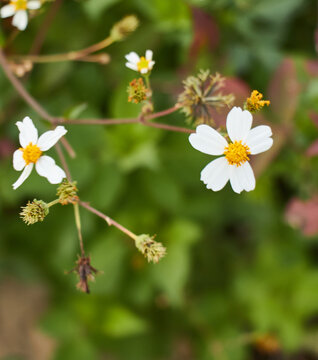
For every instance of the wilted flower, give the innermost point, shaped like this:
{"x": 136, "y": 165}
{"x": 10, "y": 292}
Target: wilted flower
{"x": 202, "y": 94}
{"x": 234, "y": 165}
{"x": 32, "y": 150}
{"x": 18, "y": 9}
{"x": 255, "y": 102}
{"x": 137, "y": 91}
{"x": 124, "y": 27}
{"x": 34, "y": 211}
{"x": 67, "y": 192}
{"x": 85, "y": 272}
{"x": 141, "y": 64}
{"x": 151, "y": 249}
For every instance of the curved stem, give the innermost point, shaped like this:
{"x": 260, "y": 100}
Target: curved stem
{"x": 109, "y": 220}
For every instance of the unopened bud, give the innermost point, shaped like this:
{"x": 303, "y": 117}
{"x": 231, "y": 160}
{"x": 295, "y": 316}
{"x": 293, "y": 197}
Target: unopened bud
{"x": 67, "y": 192}
{"x": 124, "y": 27}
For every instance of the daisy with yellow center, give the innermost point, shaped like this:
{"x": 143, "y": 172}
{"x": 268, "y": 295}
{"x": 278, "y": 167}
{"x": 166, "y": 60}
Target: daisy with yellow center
{"x": 234, "y": 164}
{"x": 18, "y": 9}
{"x": 143, "y": 64}
{"x": 30, "y": 153}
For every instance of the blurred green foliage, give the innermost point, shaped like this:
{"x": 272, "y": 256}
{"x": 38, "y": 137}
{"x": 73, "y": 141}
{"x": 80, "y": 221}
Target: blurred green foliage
{"x": 234, "y": 267}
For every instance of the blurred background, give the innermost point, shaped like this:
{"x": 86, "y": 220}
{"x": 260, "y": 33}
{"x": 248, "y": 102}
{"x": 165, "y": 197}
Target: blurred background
{"x": 240, "y": 279}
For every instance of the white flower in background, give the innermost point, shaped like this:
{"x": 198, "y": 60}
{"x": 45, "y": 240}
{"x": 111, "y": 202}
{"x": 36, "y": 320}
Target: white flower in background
{"x": 234, "y": 165}
{"x": 140, "y": 64}
{"x": 32, "y": 150}
{"x": 18, "y": 9}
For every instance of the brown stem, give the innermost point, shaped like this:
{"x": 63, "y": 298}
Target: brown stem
{"x": 109, "y": 220}
{"x": 97, "y": 121}
{"x": 168, "y": 127}
{"x": 44, "y": 28}
{"x": 163, "y": 113}
{"x": 63, "y": 161}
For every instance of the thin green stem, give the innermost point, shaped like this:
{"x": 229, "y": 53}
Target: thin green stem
{"x": 54, "y": 202}
{"x": 79, "y": 227}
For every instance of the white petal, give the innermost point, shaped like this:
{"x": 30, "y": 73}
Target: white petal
{"x": 20, "y": 20}
{"x": 25, "y": 174}
{"x": 258, "y": 139}
{"x": 238, "y": 124}
{"x": 151, "y": 64}
{"x": 46, "y": 167}
{"x": 216, "y": 174}
{"x": 144, "y": 70}
{"x": 18, "y": 161}
{"x": 7, "y": 10}
{"x": 149, "y": 55}
{"x": 133, "y": 57}
{"x": 28, "y": 132}
{"x": 208, "y": 140}
{"x": 33, "y": 4}
{"x": 242, "y": 178}
{"x": 50, "y": 138}
{"x": 132, "y": 66}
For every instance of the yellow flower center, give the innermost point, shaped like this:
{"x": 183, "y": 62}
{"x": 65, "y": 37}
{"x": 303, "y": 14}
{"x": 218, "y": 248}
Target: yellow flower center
{"x": 31, "y": 153}
{"x": 19, "y": 4}
{"x": 143, "y": 63}
{"x": 237, "y": 153}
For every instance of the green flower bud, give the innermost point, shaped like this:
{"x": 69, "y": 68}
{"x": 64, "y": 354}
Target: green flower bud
{"x": 67, "y": 192}
{"x": 151, "y": 249}
{"x": 34, "y": 211}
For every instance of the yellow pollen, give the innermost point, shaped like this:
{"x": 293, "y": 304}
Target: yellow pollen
{"x": 237, "y": 153}
{"x": 255, "y": 102}
{"x": 143, "y": 63}
{"x": 31, "y": 153}
{"x": 19, "y": 4}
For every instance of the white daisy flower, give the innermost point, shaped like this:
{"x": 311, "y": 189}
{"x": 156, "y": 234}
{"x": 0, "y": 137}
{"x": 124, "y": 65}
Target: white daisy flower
{"x": 234, "y": 165}
{"x": 18, "y": 9}
{"x": 141, "y": 64}
{"x": 32, "y": 150}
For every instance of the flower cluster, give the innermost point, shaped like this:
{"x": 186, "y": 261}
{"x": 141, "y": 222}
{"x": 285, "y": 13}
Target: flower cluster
{"x": 202, "y": 94}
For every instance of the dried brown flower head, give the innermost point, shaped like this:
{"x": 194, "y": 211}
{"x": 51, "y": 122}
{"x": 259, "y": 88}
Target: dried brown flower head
{"x": 34, "y": 211}
{"x": 151, "y": 249}
{"x": 201, "y": 94}
{"x": 67, "y": 192}
{"x": 85, "y": 273}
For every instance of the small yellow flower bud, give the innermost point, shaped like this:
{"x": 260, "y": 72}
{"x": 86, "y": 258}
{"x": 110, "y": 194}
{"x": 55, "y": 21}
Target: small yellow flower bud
{"x": 124, "y": 27}
{"x": 202, "y": 94}
{"x": 254, "y": 102}
{"x": 34, "y": 211}
{"x": 151, "y": 249}
{"x": 67, "y": 193}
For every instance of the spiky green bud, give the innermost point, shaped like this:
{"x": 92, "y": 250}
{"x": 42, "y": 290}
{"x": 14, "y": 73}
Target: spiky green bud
{"x": 151, "y": 249}
{"x": 34, "y": 211}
